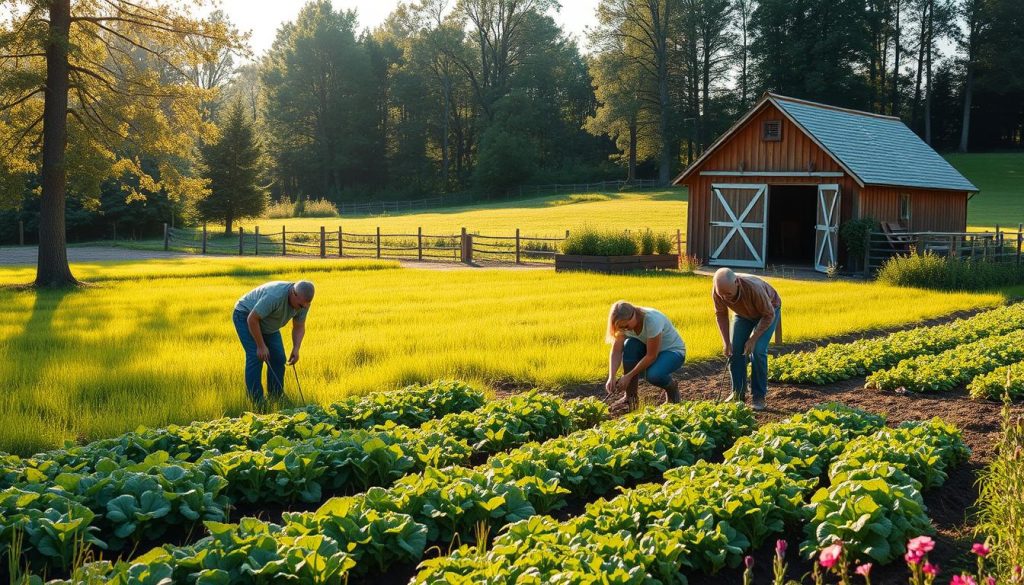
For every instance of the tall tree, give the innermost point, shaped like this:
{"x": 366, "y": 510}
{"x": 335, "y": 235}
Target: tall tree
{"x": 233, "y": 166}
{"x": 976, "y": 15}
{"x": 646, "y": 26}
{"x": 84, "y": 89}
{"x": 322, "y": 122}
{"x": 621, "y": 113}
{"x": 743, "y": 10}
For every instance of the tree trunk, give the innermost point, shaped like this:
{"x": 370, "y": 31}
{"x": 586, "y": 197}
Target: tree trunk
{"x": 665, "y": 162}
{"x": 228, "y": 221}
{"x": 631, "y": 173}
{"x": 915, "y": 108}
{"x": 895, "y": 105}
{"x": 52, "y": 268}
{"x": 928, "y": 75}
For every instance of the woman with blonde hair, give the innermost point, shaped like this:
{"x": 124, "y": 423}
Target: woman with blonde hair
{"x": 644, "y": 342}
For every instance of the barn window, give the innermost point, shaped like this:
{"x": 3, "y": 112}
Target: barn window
{"x": 905, "y": 207}
{"x": 771, "y": 131}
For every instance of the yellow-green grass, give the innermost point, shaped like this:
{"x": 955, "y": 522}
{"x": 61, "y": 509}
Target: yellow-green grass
{"x": 1000, "y": 176}
{"x": 133, "y": 350}
{"x": 662, "y": 211}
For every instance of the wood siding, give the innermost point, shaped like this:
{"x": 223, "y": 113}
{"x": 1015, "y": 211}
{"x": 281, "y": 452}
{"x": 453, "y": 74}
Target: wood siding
{"x": 930, "y": 210}
{"x": 745, "y": 151}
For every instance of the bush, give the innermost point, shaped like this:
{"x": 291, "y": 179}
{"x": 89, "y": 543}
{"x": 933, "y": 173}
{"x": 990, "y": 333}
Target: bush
{"x": 284, "y": 208}
{"x": 319, "y": 208}
{"x": 590, "y": 241}
{"x": 854, "y": 235}
{"x": 932, "y": 271}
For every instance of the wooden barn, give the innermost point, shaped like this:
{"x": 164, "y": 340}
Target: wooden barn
{"x": 775, "y": 187}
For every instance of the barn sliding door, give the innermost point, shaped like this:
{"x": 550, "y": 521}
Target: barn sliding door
{"x": 826, "y": 231}
{"x": 738, "y": 229}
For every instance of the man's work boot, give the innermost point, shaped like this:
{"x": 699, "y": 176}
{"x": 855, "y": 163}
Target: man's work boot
{"x": 759, "y": 404}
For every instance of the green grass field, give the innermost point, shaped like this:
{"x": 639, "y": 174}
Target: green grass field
{"x": 1000, "y": 176}
{"x": 151, "y": 343}
{"x": 659, "y": 210}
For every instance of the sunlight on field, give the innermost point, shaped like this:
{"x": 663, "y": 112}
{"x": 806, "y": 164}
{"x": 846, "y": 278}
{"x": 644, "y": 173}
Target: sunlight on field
{"x": 663, "y": 211}
{"x": 124, "y": 352}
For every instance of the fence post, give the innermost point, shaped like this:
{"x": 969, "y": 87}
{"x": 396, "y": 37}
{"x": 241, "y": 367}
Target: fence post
{"x": 378, "y": 241}
{"x": 566, "y": 233}
{"x": 679, "y": 244}
{"x": 241, "y": 241}
{"x": 952, "y": 246}
{"x": 867, "y": 255}
{"x": 323, "y": 242}
{"x": 204, "y": 237}
{"x": 465, "y": 254}
{"x": 419, "y": 243}
{"x": 21, "y": 232}
{"x": 341, "y": 248}
{"x": 985, "y": 252}
{"x": 1020, "y": 240}
{"x": 167, "y": 241}
{"x": 518, "y": 259}
{"x": 257, "y": 231}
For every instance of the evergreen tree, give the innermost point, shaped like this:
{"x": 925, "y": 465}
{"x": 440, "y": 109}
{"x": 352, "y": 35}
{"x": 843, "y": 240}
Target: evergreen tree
{"x": 233, "y": 168}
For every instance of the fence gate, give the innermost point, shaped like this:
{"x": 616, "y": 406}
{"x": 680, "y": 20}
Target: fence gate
{"x": 826, "y": 230}
{"x": 738, "y": 233}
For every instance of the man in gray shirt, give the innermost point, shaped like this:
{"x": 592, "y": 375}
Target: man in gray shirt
{"x": 259, "y": 316}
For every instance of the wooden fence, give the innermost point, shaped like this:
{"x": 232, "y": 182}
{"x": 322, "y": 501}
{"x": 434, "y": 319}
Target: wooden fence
{"x": 998, "y": 245}
{"x": 466, "y": 246}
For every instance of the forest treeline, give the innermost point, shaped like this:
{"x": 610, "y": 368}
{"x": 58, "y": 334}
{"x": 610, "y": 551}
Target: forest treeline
{"x": 483, "y": 96}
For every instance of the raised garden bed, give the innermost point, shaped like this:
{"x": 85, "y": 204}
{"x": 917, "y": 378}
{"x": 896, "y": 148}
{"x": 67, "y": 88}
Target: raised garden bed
{"x": 616, "y": 264}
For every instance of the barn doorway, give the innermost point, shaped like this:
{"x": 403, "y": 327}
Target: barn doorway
{"x": 792, "y": 216}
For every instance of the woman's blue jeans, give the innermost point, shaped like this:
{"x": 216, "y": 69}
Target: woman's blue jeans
{"x": 660, "y": 372}
{"x": 253, "y": 365}
{"x": 742, "y": 328}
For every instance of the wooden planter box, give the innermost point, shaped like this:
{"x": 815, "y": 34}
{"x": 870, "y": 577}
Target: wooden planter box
{"x": 616, "y": 264}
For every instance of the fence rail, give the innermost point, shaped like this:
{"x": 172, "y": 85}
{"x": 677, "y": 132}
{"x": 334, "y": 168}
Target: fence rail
{"x": 998, "y": 245}
{"x": 467, "y": 247}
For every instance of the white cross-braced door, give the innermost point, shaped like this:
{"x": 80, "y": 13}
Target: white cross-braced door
{"x": 826, "y": 240}
{"x": 738, "y": 232}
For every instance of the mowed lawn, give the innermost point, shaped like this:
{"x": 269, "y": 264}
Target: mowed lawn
{"x": 1000, "y": 176}
{"x": 658, "y": 210}
{"x": 151, "y": 343}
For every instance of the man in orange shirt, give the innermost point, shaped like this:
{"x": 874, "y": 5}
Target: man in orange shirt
{"x": 757, "y": 310}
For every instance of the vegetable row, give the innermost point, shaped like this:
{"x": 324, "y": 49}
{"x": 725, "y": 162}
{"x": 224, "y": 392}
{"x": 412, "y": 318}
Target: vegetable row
{"x": 118, "y": 507}
{"x": 1000, "y": 381}
{"x": 366, "y": 534}
{"x": 952, "y": 368}
{"x": 842, "y": 361}
{"x": 412, "y": 406}
{"x": 873, "y": 503}
{"x": 703, "y": 518}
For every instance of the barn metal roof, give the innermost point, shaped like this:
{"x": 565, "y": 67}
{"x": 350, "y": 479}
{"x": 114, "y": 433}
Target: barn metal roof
{"x": 875, "y": 149}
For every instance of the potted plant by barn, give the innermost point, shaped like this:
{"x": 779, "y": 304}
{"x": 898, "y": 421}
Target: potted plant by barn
{"x": 615, "y": 252}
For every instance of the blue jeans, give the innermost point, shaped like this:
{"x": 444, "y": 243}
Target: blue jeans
{"x": 741, "y": 330}
{"x": 660, "y": 372}
{"x": 253, "y": 365}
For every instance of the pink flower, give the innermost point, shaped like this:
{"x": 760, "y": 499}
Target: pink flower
{"x": 864, "y": 570}
{"x": 913, "y": 557}
{"x": 990, "y": 580}
{"x": 830, "y": 554}
{"x": 930, "y": 569}
{"x": 980, "y": 549}
{"x": 780, "y": 548}
{"x": 748, "y": 562}
{"x": 962, "y": 580}
{"x": 921, "y": 544}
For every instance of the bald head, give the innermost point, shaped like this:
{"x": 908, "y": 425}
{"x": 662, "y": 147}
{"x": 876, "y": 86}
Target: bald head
{"x": 724, "y": 283}
{"x": 305, "y": 289}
